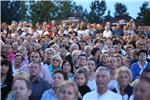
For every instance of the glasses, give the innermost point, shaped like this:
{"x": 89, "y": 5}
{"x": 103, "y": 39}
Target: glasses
{"x": 56, "y": 60}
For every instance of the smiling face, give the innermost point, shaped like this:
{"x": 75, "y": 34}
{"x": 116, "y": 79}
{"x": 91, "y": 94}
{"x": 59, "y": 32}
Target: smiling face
{"x": 91, "y": 65}
{"x": 67, "y": 67}
{"x": 124, "y": 79}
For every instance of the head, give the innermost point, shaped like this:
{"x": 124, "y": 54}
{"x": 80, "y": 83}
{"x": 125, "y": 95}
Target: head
{"x": 91, "y": 65}
{"x": 56, "y": 60}
{"x": 67, "y": 66}
{"x": 23, "y": 50}
{"x": 142, "y": 55}
{"x": 82, "y": 60}
{"x": 103, "y": 77}
{"x": 35, "y": 56}
{"x": 21, "y": 89}
{"x": 120, "y": 59}
{"x": 35, "y": 68}
{"x": 141, "y": 90}
{"x": 145, "y": 74}
{"x": 19, "y": 58}
{"x": 104, "y": 57}
{"x": 81, "y": 77}
{"x": 49, "y": 52}
{"x": 68, "y": 91}
{"x": 58, "y": 78}
{"x": 123, "y": 76}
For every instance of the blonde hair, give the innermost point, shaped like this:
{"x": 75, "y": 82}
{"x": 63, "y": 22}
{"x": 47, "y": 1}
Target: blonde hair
{"x": 65, "y": 84}
{"x": 58, "y": 57}
{"x": 123, "y": 69}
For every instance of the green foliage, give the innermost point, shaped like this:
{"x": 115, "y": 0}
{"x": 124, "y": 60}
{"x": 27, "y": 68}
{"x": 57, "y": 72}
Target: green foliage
{"x": 120, "y": 9}
{"x": 13, "y": 10}
{"x": 97, "y": 11}
{"x": 144, "y": 14}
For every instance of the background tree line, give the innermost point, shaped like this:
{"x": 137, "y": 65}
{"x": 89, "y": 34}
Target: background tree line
{"x": 40, "y": 11}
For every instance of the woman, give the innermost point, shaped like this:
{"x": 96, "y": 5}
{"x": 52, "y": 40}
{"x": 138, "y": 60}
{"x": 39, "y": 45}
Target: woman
{"x": 68, "y": 91}
{"x": 67, "y": 67}
{"x": 56, "y": 62}
{"x": 58, "y": 78}
{"x": 124, "y": 78}
{"x": 6, "y": 78}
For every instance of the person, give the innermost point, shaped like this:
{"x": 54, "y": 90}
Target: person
{"x": 68, "y": 91}
{"x": 124, "y": 78}
{"x": 141, "y": 90}
{"x": 67, "y": 67}
{"x": 58, "y": 78}
{"x": 55, "y": 64}
{"x": 92, "y": 67}
{"x": 6, "y": 78}
{"x": 81, "y": 78}
{"x": 39, "y": 85}
{"x": 103, "y": 77}
{"x": 21, "y": 89}
{"x": 138, "y": 67}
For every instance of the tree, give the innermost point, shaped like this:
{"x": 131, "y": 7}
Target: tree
{"x": 13, "y": 10}
{"x": 41, "y": 11}
{"x": 120, "y": 9}
{"x": 97, "y": 11}
{"x": 144, "y": 14}
{"x": 108, "y": 17}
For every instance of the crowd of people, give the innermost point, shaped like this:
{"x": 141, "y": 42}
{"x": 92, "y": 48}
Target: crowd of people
{"x": 75, "y": 61}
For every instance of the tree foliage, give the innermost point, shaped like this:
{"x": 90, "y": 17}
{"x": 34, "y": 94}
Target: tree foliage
{"x": 98, "y": 9}
{"x": 120, "y": 9}
{"x": 144, "y": 14}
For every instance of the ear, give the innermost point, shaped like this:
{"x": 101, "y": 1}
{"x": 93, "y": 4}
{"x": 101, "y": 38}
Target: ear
{"x": 29, "y": 92}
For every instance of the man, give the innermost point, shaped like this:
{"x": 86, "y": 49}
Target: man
{"x": 103, "y": 77}
{"x": 138, "y": 67}
{"x": 39, "y": 85}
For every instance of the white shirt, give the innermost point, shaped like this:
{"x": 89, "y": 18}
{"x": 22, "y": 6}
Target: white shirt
{"x": 107, "y": 34}
{"x": 92, "y": 84}
{"x": 108, "y": 95}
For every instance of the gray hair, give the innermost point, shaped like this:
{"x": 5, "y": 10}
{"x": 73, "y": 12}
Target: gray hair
{"x": 104, "y": 68}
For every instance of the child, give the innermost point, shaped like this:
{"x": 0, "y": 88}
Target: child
{"x": 81, "y": 78}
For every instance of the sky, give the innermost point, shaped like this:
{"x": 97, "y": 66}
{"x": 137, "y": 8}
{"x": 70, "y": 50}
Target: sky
{"x": 133, "y": 6}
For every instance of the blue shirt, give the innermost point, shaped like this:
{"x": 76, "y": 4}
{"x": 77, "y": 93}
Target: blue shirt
{"x": 137, "y": 70}
{"x": 49, "y": 95}
{"x": 51, "y": 70}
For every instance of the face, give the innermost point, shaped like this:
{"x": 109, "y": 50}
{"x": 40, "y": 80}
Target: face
{"x": 67, "y": 93}
{"x": 67, "y": 67}
{"x": 91, "y": 65}
{"x": 112, "y": 63}
{"x": 23, "y": 50}
{"x": 55, "y": 62}
{"x": 48, "y": 54}
{"x": 102, "y": 79}
{"x": 142, "y": 56}
{"x": 82, "y": 60}
{"x": 105, "y": 58}
{"x": 141, "y": 91}
{"x": 124, "y": 79}
{"x": 20, "y": 90}
{"x": 35, "y": 69}
{"x": 119, "y": 61}
{"x": 4, "y": 69}
{"x": 35, "y": 56}
{"x": 18, "y": 59}
{"x": 80, "y": 79}
{"x": 57, "y": 79}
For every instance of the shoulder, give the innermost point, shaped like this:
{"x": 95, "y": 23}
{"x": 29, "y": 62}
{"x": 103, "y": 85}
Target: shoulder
{"x": 90, "y": 95}
{"x": 114, "y": 95}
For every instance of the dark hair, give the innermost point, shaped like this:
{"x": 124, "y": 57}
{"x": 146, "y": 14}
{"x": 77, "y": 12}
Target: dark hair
{"x": 94, "y": 50}
{"x": 142, "y": 51}
{"x": 61, "y": 72}
{"x": 71, "y": 64}
{"x": 9, "y": 77}
{"x": 82, "y": 55}
{"x": 143, "y": 75}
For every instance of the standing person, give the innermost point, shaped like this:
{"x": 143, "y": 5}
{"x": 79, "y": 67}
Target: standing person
{"x": 39, "y": 85}
{"x": 68, "y": 91}
{"x": 138, "y": 67}
{"x": 103, "y": 77}
{"x": 21, "y": 89}
{"x": 6, "y": 78}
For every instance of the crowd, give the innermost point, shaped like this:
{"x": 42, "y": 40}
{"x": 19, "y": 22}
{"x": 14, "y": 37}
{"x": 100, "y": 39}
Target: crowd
{"x": 76, "y": 61}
